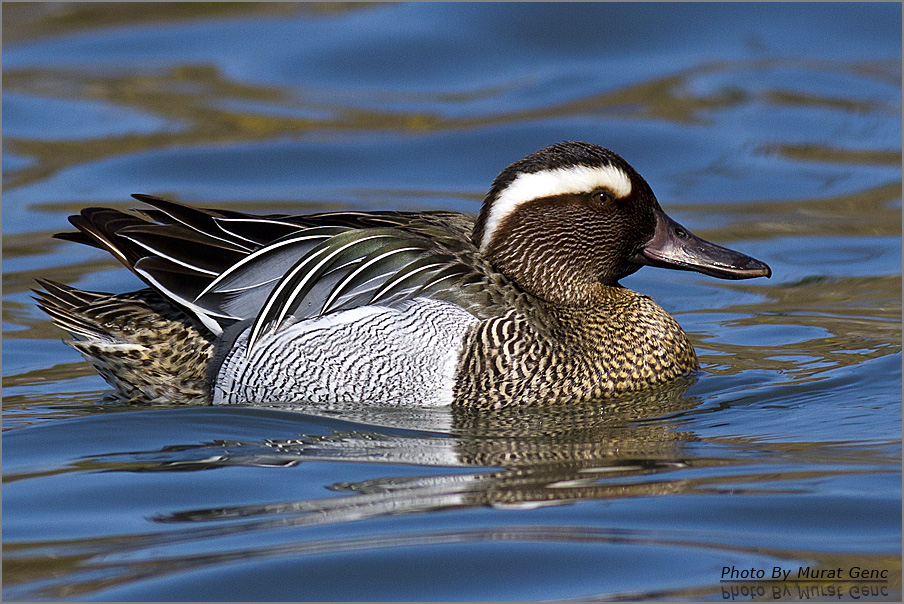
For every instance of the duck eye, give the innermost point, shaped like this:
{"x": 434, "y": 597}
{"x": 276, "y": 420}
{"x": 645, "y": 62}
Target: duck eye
{"x": 601, "y": 197}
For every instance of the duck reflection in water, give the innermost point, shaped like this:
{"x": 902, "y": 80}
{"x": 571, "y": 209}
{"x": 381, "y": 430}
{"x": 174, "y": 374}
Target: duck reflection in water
{"x": 523, "y": 457}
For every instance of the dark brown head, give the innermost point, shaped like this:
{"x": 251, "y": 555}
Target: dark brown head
{"x": 574, "y": 216}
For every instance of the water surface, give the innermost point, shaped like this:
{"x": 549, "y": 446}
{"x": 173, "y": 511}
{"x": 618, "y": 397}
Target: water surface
{"x": 773, "y": 129}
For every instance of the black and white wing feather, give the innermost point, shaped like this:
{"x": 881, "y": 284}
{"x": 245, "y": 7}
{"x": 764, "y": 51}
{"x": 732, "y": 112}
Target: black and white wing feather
{"x": 226, "y": 266}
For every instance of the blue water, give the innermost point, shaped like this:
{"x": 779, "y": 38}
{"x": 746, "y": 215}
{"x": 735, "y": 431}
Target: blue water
{"x": 774, "y": 129}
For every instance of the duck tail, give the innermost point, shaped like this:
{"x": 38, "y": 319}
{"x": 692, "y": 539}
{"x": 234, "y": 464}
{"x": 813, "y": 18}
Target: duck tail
{"x": 142, "y": 345}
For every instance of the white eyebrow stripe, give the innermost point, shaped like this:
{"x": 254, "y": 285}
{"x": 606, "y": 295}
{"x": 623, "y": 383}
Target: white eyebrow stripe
{"x": 574, "y": 179}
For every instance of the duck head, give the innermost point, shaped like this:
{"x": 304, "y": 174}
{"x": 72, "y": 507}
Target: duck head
{"x": 574, "y": 216}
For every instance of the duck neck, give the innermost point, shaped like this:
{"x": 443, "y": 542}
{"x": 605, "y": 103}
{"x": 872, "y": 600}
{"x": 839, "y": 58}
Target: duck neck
{"x": 573, "y": 295}
{"x": 585, "y": 312}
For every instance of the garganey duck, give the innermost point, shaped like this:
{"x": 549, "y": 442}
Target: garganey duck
{"x": 520, "y": 306}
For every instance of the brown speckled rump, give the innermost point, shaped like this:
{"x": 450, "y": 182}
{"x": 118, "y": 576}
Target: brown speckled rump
{"x": 142, "y": 345}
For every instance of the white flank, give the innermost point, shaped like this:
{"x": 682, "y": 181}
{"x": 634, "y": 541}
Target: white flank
{"x": 576, "y": 179}
{"x": 400, "y": 356}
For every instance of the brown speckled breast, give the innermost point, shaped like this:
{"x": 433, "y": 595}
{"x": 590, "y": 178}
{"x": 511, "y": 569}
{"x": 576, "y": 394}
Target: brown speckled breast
{"x": 552, "y": 354}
